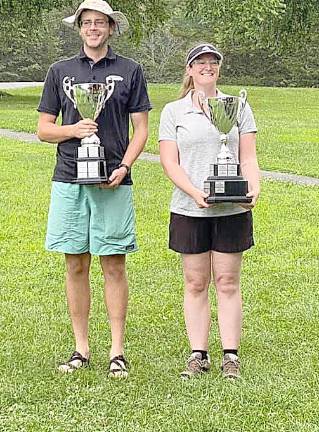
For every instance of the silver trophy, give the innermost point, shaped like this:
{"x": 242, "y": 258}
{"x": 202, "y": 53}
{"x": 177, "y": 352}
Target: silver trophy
{"x": 89, "y": 99}
{"x": 224, "y": 184}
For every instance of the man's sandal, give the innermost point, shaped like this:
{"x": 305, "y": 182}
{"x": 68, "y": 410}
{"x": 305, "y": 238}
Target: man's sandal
{"x": 118, "y": 367}
{"x": 76, "y": 361}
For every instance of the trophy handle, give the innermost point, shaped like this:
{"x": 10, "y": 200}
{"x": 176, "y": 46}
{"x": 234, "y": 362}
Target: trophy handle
{"x": 242, "y": 103}
{"x": 68, "y": 89}
{"x": 110, "y": 85}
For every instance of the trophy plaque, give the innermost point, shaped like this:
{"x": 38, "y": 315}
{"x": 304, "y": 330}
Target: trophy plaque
{"x": 225, "y": 183}
{"x": 89, "y": 99}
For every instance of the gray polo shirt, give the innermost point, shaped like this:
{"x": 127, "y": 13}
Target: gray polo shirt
{"x": 198, "y": 143}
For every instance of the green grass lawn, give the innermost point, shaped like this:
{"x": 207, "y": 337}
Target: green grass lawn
{"x": 287, "y": 119}
{"x": 279, "y": 350}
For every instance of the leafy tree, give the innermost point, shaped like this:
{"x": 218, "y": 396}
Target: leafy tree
{"x": 269, "y": 42}
{"x": 32, "y": 36}
{"x": 254, "y": 23}
{"x": 142, "y": 15}
{"x": 30, "y": 51}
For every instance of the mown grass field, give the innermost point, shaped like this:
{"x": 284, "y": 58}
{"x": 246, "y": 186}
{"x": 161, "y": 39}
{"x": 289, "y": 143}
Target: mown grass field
{"x": 287, "y": 120}
{"x": 279, "y": 350}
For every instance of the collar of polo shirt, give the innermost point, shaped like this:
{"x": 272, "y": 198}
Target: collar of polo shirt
{"x": 189, "y": 107}
{"x": 109, "y": 55}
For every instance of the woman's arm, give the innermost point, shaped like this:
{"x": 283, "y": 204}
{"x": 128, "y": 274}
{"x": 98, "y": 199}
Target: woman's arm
{"x": 249, "y": 166}
{"x": 173, "y": 170}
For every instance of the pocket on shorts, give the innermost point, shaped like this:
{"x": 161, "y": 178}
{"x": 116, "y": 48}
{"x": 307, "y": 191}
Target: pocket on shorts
{"x": 119, "y": 217}
{"x": 63, "y": 209}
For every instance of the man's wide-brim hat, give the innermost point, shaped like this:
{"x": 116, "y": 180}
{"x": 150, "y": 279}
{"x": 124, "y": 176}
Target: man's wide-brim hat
{"x": 120, "y": 20}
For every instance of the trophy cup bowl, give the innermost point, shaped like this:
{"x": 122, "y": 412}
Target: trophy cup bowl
{"x": 89, "y": 99}
{"x": 225, "y": 183}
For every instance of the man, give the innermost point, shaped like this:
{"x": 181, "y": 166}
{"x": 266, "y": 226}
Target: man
{"x": 85, "y": 219}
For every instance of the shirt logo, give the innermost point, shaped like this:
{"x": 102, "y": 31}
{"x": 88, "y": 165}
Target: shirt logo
{"x": 110, "y": 84}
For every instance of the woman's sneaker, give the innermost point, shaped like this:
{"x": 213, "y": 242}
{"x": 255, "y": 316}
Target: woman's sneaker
{"x": 196, "y": 366}
{"x": 230, "y": 366}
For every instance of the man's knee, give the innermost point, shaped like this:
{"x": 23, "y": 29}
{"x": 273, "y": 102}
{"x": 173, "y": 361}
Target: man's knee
{"x": 77, "y": 265}
{"x": 114, "y": 267}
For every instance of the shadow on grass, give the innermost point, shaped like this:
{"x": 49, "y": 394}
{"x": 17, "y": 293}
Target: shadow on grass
{"x": 5, "y": 95}
{"x": 19, "y": 99}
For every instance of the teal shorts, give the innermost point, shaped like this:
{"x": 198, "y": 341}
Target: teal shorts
{"x": 85, "y": 218}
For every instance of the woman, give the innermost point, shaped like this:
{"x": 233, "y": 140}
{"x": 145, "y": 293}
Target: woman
{"x": 210, "y": 238}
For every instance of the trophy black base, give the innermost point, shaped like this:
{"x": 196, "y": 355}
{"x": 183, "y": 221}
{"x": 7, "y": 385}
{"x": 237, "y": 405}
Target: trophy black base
{"x": 226, "y": 189}
{"x": 222, "y": 199}
{"x": 91, "y": 181}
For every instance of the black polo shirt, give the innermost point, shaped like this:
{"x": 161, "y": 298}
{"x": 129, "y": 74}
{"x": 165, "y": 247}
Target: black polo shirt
{"x": 129, "y": 96}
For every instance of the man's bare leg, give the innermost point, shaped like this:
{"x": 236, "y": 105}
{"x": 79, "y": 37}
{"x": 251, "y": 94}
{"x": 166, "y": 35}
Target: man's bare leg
{"x": 78, "y": 297}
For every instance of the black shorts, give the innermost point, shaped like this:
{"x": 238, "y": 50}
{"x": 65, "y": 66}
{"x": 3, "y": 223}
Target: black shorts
{"x": 194, "y": 235}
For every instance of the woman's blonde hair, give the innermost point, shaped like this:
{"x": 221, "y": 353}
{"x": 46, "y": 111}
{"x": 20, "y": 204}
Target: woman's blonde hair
{"x": 187, "y": 85}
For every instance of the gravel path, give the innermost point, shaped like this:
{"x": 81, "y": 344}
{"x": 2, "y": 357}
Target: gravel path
{"x": 28, "y": 137}
{"x": 13, "y": 85}
{"x": 273, "y": 175}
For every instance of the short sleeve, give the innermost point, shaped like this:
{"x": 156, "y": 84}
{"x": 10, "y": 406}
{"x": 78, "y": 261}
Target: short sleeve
{"x": 167, "y": 127}
{"x": 139, "y": 100}
{"x": 247, "y": 122}
{"x": 50, "y": 100}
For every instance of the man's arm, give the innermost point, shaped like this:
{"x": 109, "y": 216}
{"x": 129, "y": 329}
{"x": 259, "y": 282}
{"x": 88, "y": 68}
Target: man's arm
{"x": 140, "y": 134}
{"x": 49, "y": 131}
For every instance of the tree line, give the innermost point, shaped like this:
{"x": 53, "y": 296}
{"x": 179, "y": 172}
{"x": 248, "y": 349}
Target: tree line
{"x": 265, "y": 42}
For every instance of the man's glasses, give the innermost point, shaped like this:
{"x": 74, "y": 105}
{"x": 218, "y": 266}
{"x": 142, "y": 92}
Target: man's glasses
{"x": 212, "y": 62}
{"x": 99, "y": 23}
